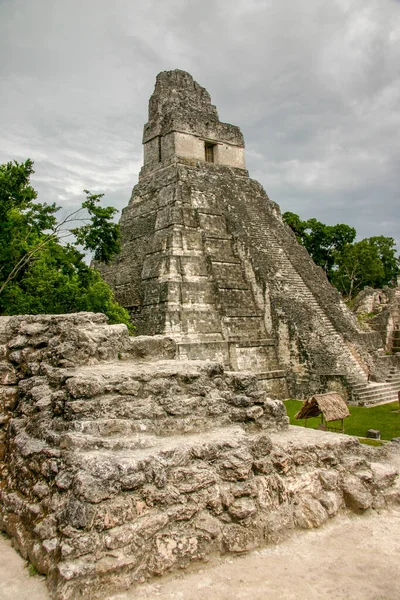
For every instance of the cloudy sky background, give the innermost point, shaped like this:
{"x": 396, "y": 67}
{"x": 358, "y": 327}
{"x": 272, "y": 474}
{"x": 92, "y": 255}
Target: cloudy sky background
{"x": 314, "y": 86}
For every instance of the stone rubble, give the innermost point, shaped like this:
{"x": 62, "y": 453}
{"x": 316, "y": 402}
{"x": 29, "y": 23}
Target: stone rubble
{"x": 120, "y": 462}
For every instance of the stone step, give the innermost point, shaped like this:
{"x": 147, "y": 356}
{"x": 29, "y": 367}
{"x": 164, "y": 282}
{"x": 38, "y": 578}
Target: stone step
{"x": 120, "y": 460}
{"x": 175, "y": 495}
{"x": 389, "y": 394}
{"x": 118, "y": 376}
{"x": 371, "y": 403}
{"x": 105, "y": 427}
{"x": 173, "y": 397}
{"x": 395, "y": 378}
{"x": 374, "y": 392}
{"x": 253, "y": 343}
{"x": 273, "y": 374}
{"x": 358, "y": 387}
{"x": 80, "y": 441}
{"x": 384, "y": 399}
{"x": 377, "y": 387}
{"x": 377, "y": 395}
{"x": 159, "y": 416}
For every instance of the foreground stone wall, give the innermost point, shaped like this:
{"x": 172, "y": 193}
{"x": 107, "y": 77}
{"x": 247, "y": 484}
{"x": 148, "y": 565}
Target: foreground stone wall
{"x": 121, "y": 462}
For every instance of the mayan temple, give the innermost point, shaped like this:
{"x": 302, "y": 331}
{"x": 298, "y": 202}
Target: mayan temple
{"x": 123, "y": 458}
{"x": 207, "y": 260}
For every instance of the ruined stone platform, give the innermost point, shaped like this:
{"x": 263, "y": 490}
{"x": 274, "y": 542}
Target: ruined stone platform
{"x": 120, "y": 463}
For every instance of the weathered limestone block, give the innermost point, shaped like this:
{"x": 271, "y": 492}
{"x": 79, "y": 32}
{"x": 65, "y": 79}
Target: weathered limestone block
{"x": 118, "y": 469}
{"x": 309, "y": 512}
{"x": 7, "y": 374}
{"x": 356, "y": 493}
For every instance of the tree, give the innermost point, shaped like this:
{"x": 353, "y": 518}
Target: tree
{"x": 39, "y": 272}
{"x": 321, "y": 241}
{"x": 349, "y": 266}
{"x": 101, "y": 235}
{"x": 371, "y": 262}
{"x": 386, "y": 250}
{"x": 22, "y": 221}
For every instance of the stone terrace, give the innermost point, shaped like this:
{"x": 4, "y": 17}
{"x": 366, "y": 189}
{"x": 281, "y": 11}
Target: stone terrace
{"x": 120, "y": 462}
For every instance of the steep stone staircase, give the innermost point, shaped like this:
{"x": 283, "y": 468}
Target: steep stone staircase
{"x": 378, "y": 393}
{"x": 350, "y": 362}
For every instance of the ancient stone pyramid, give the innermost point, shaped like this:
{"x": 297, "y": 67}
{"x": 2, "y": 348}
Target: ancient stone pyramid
{"x": 120, "y": 462}
{"x": 207, "y": 260}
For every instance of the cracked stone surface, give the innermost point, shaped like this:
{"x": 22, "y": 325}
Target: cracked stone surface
{"x": 116, "y": 469}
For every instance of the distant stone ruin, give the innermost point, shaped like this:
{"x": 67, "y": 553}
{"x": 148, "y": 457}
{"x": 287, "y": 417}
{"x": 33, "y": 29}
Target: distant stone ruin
{"x": 379, "y": 310}
{"x": 119, "y": 462}
{"x": 207, "y": 260}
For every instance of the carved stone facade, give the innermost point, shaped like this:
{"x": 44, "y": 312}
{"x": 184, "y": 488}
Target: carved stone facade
{"x": 207, "y": 260}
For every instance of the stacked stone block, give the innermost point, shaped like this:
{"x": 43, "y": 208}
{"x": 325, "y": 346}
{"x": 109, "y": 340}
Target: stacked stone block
{"x": 122, "y": 462}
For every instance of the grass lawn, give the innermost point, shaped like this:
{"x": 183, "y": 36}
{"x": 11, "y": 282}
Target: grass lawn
{"x": 386, "y": 418}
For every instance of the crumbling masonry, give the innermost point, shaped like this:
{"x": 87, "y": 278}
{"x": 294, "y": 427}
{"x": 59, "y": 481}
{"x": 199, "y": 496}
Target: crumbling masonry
{"x": 207, "y": 260}
{"x": 122, "y": 458}
{"x": 119, "y": 462}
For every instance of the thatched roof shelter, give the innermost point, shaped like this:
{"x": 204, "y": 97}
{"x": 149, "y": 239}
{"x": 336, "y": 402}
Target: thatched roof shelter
{"x": 331, "y": 405}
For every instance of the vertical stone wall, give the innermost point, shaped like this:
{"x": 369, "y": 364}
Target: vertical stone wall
{"x": 8, "y": 390}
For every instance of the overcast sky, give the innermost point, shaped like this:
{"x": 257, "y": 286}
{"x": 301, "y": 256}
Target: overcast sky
{"x": 314, "y": 85}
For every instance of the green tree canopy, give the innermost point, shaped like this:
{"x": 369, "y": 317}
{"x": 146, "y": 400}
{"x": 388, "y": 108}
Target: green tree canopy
{"x": 38, "y": 273}
{"x": 321, "y": 241}
{"x": 349, "y": 265}
{"x": 371, "y": 262}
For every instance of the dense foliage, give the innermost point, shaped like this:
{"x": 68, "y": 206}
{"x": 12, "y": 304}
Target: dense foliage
{"x": 39, "y": 273}
{"x": 349, "y": 265}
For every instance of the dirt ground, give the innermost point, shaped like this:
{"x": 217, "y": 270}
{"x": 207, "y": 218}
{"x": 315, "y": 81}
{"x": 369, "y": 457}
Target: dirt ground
{"x": 350, "y": 558}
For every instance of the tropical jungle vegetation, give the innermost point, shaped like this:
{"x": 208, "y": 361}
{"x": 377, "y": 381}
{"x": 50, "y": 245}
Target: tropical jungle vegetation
{"x": 42, "y": 266}
{"x": 349, "y": 265}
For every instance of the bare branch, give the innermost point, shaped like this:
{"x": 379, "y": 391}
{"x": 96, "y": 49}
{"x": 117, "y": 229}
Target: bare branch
{"x": 25, "y": 260}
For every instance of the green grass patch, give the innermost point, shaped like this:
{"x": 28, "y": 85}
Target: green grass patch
{"x": 32, "y": 570}
{"x": 386, "y": 418}
{"x": 370, "y": 442}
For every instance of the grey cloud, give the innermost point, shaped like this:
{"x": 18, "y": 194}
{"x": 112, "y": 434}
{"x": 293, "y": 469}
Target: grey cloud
{"x": 314, "y": 86}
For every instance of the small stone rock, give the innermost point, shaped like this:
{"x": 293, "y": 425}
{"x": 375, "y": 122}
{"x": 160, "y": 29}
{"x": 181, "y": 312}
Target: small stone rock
{"x": 356, "y": 494}
{"x": 309, "y": 513}
{"x": 8, "y": 374}
{"x": 329, "y": 479}
{"x": 383, "y": 475}
{"x": 331, "y": 501}
{"x": 242, "y": 508}
{"x": 239, "y": 539}
{"x": 206, "y": 522}
{"x": 254, "y": 413}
